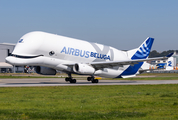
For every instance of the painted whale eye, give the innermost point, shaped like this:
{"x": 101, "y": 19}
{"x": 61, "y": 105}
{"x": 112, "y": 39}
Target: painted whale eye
{"x": 51, "y": 53}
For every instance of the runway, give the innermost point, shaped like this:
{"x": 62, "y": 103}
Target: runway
{"x": 61, "y": 82}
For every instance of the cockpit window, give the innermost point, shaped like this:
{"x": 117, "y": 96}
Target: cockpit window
{"x": 20, "y": 56}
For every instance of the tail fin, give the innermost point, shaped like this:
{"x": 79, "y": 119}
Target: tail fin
{"x": 170, "y": 63}
{"x": 143, "y": 51}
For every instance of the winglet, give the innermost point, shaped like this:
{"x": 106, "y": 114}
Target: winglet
{"x": 170, "y": 55}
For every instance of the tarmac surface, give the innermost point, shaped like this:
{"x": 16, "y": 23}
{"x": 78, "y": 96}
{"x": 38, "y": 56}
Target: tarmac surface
{"x": 29, "y": 82}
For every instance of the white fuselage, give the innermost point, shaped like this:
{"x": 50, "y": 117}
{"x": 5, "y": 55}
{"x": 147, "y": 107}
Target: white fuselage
{"x": 55, "y": 51}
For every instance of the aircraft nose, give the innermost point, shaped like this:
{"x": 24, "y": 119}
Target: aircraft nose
{"x": 9, "y": 60}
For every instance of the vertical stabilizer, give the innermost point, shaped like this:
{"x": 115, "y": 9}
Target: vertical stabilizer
{"x": 142, "y": 51}
{"x": 170, "y": 63}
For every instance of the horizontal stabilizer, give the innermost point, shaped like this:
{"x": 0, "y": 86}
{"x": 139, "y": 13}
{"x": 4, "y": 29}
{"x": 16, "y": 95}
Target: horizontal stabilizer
{"x": 170, "y": 55}
{"x": 128, "y": 76}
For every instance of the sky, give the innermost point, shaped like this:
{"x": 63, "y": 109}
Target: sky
{"x": 123, "y": 24}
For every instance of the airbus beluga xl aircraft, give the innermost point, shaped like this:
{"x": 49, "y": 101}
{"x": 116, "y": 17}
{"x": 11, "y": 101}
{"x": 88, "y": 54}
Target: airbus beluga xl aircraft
{"x": 50, "y": 52}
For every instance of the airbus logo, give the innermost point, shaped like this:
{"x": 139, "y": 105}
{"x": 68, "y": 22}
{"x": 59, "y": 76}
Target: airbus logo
{"x": 83, "y": 53}
{"x": 21, "y": 41}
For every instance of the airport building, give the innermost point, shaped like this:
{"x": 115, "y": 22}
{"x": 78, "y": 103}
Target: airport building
{"x": 5, "y": 50}
{"x": 161, "y": 64}
{"x": 176, "y": 58}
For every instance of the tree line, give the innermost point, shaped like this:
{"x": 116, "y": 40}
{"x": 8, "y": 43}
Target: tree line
{"x": 154, "y": 53}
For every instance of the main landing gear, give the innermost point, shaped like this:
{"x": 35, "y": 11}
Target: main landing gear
{"x": 70, "y": 79}
{"x": 92, "y": 79}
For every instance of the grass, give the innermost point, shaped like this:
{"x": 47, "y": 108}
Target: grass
{"x": 134, "y": 102}
{"x": 19, "y": 77}
{"x": 151, "y": 76}
{"x": 145, "y": 76}
{"x": 25, "y": 75}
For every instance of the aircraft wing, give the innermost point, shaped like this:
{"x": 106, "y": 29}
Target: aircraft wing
{"x": 110, "y": 64}
{"x": 99, "y": 65}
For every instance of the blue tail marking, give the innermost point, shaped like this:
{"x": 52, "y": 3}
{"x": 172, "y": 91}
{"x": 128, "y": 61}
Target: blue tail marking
{"x": 144, "y": 50}
{"x": 142, "y": 53}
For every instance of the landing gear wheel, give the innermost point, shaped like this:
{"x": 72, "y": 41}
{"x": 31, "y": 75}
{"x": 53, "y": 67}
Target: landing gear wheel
{"x": 95, "y": 81}
{"x": 89, "y": 78}
{"x": 73, "y": 81}
{"x": 67, "y": 79}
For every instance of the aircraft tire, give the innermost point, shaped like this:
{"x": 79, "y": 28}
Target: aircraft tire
{"x": 67, "y": 79}
{"x": 95, "y": 81}
{"x": 73, "y": 81}
{"x": 89, "y": 78}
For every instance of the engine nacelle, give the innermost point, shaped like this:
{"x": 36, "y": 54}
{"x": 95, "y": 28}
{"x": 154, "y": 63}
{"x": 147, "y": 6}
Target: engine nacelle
{"x": 83, "y": 69}
{"x": 45, "y": 70}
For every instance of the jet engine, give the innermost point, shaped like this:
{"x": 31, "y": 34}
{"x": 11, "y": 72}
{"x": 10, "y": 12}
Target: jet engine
{"x": 83, "y": 69}
{"x": 45, "y": 70}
